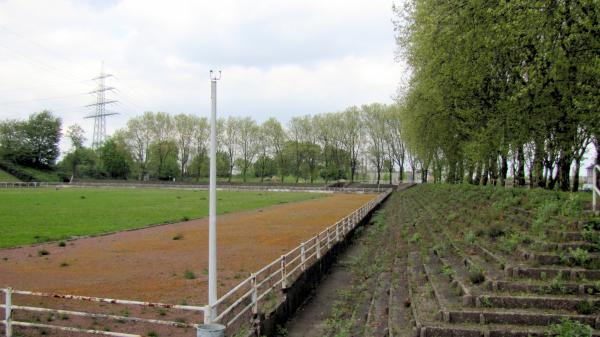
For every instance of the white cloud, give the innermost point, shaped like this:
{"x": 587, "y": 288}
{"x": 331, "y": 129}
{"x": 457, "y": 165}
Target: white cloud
{"x": 279, "y": 58}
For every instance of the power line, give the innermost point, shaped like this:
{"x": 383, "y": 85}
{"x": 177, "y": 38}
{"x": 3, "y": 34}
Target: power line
{"x": 41, "y": 99}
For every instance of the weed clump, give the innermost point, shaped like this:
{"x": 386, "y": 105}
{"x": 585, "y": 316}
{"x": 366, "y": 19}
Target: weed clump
{"x": 569, "y": 328}
{"x": 476, "y": 275}
{"x": 43, "y": 252}
{"x": 189, "y": 275}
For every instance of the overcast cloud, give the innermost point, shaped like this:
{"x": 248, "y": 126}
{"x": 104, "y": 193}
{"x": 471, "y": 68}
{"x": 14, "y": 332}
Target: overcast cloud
{"x": 279, "y": 58}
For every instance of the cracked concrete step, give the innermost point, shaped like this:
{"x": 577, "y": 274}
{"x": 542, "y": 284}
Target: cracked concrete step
{"x": 512, "y": 316}
{"x": 543, "y": 288}
{"x": 472, "y": 330}
{"x": 536, "y": 302}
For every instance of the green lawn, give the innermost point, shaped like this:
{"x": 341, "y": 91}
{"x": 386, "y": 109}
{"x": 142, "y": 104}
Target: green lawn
{"x": 38, "y": 215}
{"x": 5, "y": 177}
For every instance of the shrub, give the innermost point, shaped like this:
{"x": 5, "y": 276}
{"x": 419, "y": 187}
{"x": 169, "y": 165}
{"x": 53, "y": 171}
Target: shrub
{"x": 580, "y": 256}
{"x": 476, "y": 275}
{"x": 585, "y": 308}
{"x": 448, "y": 271}
{"x": 470, "y": 237}
{"x": 43, "y": 252}
{"x": 495, "y": 231}
{"x": 569, "y": 328}
{"x": 415, "y": 238}
{"x": 510, "y": 243}
{"x": 62, "y": 244}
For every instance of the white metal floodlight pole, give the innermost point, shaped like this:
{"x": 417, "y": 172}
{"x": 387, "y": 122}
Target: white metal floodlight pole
{"x": 212, "y": 214}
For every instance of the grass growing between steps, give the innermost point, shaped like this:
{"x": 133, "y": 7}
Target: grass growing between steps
{"x": 478, "y": 259}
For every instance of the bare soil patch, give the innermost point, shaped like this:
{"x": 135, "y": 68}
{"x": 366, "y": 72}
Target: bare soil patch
{"x": 168, "y": 263}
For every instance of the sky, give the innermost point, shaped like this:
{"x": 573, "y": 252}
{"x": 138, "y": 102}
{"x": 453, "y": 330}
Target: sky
{"x": 278, "y": 58}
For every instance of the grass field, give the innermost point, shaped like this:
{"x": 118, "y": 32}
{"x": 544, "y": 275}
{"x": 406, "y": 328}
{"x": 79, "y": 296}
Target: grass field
{"x": 5, "y": 177}
{"x": 39, "y": 215}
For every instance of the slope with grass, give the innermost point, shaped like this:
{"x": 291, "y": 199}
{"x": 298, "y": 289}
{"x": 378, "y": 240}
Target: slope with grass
{"x": 461, "y": 260}
{"x": 39, "y": 215}
{"x": 6, "y": 177}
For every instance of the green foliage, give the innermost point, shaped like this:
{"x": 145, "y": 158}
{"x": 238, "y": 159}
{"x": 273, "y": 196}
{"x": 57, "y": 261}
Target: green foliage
{"x": 6, "y": 177}
{"x": 510, "y": 243}
{"x": 569, "y": 328}
{"x": 415, "y": 238}
{"x": 470, "y": 237}
{"x": 115, "y": 159}
{"x": 32, "y": 143}
{"x": 580, "y": 256}
{"x": 491, "y": 79}
{"x": 476, "y": 275}
{"x": 189, "y": 275}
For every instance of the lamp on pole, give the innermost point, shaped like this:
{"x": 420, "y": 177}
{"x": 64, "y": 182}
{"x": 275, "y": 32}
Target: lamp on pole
{"x": 212, "y": 212}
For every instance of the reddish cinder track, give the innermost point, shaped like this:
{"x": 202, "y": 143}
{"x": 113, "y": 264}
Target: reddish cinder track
{"x": 148, "y": 265}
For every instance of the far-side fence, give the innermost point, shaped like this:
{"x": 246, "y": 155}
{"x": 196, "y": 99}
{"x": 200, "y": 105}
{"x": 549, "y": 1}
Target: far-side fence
{"x": 239, "y": 308}
{"x": 220, "y": 187}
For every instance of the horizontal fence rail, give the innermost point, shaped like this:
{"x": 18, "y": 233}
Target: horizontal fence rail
{"x": 10, "y": 307}
{"x": 263, "y": 291}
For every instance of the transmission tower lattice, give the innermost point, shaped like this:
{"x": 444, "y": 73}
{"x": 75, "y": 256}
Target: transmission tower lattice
{"x": 100, "y": 114}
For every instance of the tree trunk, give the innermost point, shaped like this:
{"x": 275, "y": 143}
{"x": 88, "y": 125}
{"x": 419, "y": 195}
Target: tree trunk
{"x": 576, "y": 176}
{"x": 477, "y": 179}
{"x": 520, "y": 167}
{"x": 564, "y": 172}
{"x": 503, "y": 170}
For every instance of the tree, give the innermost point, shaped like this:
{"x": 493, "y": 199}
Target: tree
{"x": 184, "y": 130}
{"x": 139, "y": 137}
{"x": 230, "y": 136}
{"x": 353, "y": 136}
{"x": 277, "y": 138}
{"x": 248, "y": 138}
{"x": 42, "y": 135}
{"x": 200, "y": 139}
{"x": 76, "y": 135}
{"x": 163, "y": 148}
{"x": 115, "y": 159}
{"x": 374, "y": 120}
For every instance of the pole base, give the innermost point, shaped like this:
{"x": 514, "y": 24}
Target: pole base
{"x": 210, "y": 330}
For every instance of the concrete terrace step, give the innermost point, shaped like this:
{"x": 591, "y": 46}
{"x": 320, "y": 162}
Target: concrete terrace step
{"x": 543, "y": 288}
{"x": 473, "y": 330}
{"x": 518, "y": 317}
{"x": 535, "y": 302}
{"x": 551, "y": 272}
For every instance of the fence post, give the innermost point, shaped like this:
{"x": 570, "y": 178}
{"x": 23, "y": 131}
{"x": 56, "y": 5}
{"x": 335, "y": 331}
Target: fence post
{"x": 303, "y": 256}
{"x": 254, "y": 295}
{"x": 207, "y": 314}
{"x": 283, "y": 273}
{"x": 337, "y": 232}
{"x": 8, "y": 312}
{"x": 318, "y": 246}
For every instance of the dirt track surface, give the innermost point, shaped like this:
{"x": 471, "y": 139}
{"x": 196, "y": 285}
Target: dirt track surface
{"x": 148, "y": 265}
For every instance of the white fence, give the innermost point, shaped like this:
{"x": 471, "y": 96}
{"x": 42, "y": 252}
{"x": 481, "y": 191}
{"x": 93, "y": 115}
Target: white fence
{"x": 263, "y": 291}
{"x": 9, "y": 307}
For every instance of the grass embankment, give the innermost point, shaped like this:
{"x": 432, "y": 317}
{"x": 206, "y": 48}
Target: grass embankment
{"x": 39, "y": 215}
{"x": 5, "y": 177}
